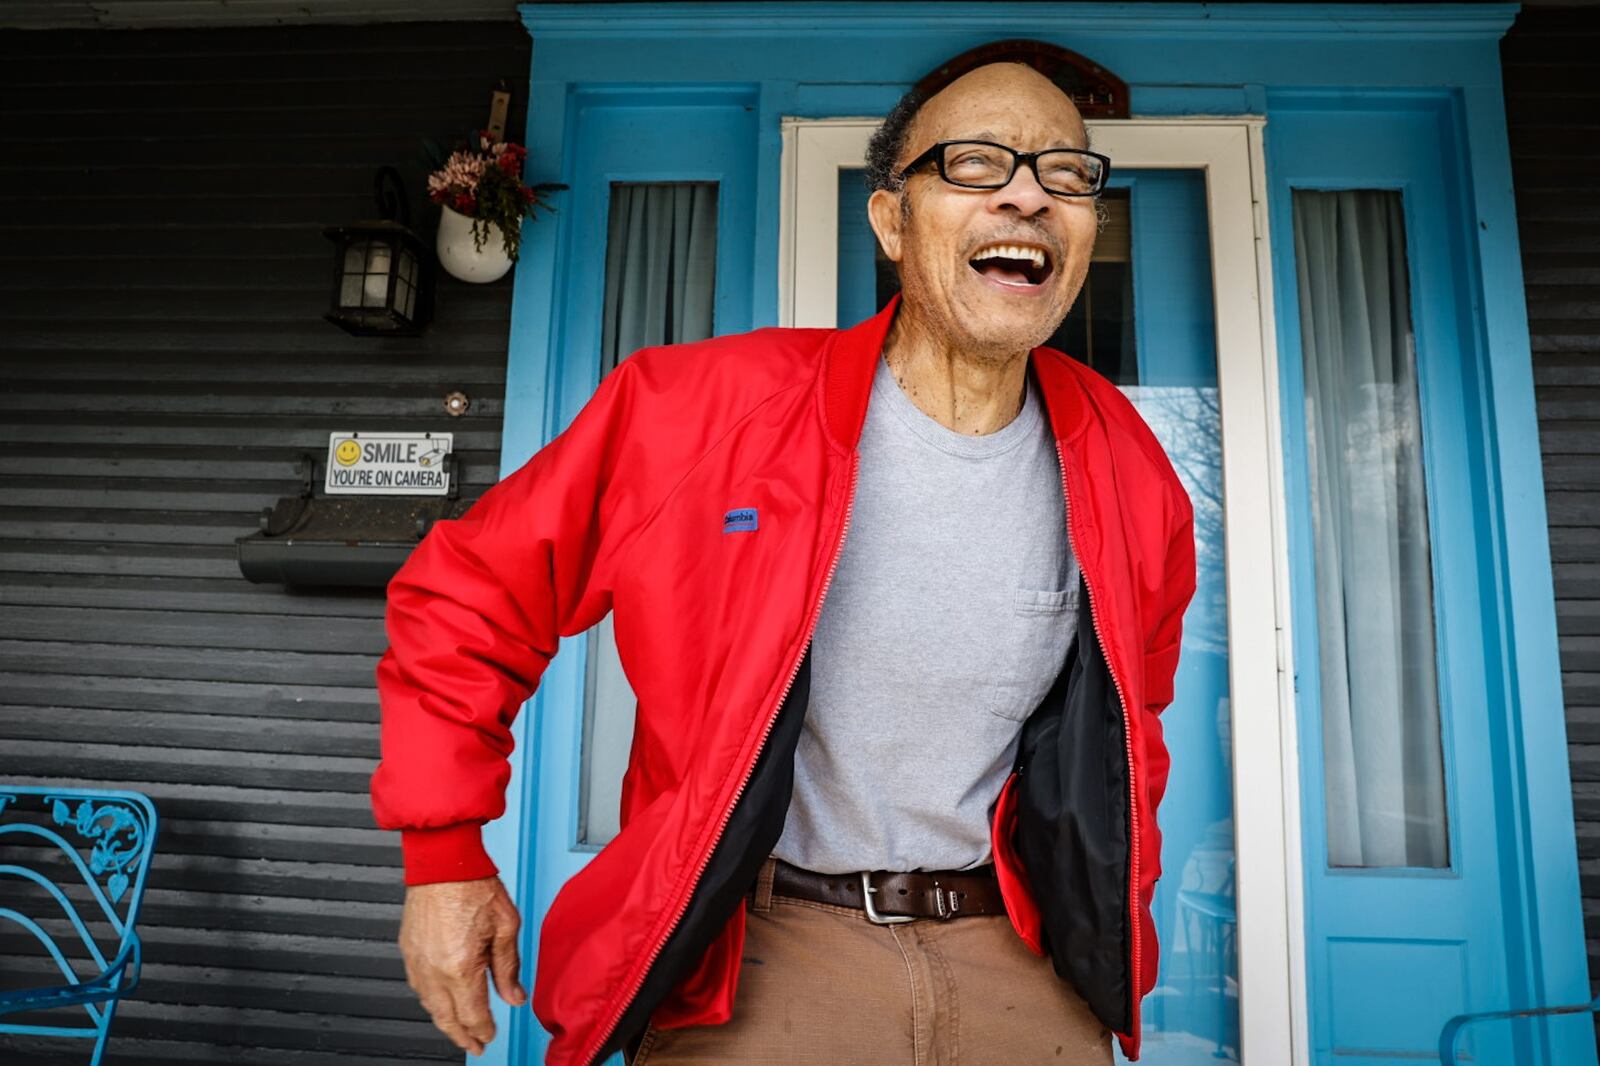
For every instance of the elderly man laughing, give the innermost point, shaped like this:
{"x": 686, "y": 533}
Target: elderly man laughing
{"x": 901, "y": 604}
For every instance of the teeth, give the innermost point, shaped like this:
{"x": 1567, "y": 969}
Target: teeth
{"x": 1011, "y": 251}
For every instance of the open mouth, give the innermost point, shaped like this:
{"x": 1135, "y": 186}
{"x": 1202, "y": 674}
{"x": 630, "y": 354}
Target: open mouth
{"x": 1020, "y": 265}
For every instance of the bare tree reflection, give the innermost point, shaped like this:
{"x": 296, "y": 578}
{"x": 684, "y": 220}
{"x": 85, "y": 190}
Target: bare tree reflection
{"x": 1188, "y": 422}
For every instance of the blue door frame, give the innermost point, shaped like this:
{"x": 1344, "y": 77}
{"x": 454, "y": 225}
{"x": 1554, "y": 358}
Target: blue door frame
{"x": 826, "y": 59}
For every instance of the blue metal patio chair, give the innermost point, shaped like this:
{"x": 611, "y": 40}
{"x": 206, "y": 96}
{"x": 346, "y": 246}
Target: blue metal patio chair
{"x": 1453, "y": 1027}
{"x": 117, "y": 832}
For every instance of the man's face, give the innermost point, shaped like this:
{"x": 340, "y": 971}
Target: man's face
{"x": 939, "y": 232}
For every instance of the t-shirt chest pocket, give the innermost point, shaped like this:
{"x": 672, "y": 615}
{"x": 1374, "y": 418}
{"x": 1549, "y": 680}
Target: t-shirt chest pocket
{"x": 1032, "y": 645}
{"x": 1045, "y": 601}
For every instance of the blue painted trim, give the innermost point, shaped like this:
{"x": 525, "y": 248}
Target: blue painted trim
{"x": 836, "y": 47}
{"x": 1229, "y": 22}
{"x": 1524, "y": 588}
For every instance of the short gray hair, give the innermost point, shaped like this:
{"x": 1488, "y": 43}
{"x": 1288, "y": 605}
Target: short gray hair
{"x": 889, "y": 142}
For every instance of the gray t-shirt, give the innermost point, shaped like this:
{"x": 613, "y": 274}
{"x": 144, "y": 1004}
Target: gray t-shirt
{"x": 949, "y": 616}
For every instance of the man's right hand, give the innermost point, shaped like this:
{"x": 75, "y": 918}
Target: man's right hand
{"x": 450, "y": 933}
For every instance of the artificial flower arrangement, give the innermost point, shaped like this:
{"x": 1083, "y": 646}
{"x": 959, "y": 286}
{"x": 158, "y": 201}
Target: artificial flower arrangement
{"x": 483, "y": 181}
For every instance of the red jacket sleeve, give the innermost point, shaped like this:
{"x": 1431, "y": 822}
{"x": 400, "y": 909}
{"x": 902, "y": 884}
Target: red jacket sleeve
{"x": 474, "y": 617}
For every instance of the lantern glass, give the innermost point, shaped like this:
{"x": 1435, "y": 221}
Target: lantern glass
{"x": 375, "y": 287}
{"x": 380, "y": 279}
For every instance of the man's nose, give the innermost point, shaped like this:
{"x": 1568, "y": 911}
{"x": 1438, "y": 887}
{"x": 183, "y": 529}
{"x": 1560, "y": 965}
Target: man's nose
{"x": 1022, "y": 192}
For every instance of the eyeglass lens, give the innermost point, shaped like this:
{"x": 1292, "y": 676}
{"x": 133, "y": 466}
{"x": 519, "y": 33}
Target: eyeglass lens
{"x": 988, "y": 166}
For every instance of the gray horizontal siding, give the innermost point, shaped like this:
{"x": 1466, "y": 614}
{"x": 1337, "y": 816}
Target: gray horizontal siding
{"x": 163, "y": 364}
{"x": 1553, "y": 111}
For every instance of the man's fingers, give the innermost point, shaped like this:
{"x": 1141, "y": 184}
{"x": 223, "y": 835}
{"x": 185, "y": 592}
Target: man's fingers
{"x": 436, "y": 991}
{"x": 441, "y": 1008}
{"x": 434, "y": 999}
{"x": 504, "y": 964}
{"x": 471, "y": 998}
{"x": 460, "y": 1037}
{"x": 447, "y": 1010}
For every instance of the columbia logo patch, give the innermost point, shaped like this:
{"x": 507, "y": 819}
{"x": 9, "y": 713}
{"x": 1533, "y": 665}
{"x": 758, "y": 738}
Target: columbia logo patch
{"x": 739, "y": 520}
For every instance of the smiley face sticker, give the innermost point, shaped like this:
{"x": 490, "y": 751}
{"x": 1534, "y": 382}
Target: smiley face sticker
{"x": 347, "y": 452}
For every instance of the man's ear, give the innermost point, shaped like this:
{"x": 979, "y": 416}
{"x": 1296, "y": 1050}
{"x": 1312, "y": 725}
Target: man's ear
{"x": 883, "y": 212}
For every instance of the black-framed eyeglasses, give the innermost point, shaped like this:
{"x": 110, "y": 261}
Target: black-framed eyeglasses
{"x": 987, "y": 165}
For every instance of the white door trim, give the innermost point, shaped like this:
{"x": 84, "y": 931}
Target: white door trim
{"x": 1266, "y": 786}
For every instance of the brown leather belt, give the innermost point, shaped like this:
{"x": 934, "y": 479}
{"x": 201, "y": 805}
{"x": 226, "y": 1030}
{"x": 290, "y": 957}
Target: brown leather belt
{"x": 891, "y": 898}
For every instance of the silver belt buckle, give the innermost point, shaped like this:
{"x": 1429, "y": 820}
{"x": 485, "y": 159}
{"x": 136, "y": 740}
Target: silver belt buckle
{"x": 872, "y": 912}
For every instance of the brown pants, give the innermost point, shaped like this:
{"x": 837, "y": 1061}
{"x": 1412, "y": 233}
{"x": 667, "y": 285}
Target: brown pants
{"x": 819, "y": 984}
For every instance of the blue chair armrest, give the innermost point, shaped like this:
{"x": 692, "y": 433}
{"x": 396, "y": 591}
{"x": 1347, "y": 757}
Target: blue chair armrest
{"x": 1453, "y": 1027}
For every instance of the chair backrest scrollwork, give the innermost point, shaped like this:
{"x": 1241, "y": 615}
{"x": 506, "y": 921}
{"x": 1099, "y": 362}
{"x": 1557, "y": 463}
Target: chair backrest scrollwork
{"x": 74, "y": 861}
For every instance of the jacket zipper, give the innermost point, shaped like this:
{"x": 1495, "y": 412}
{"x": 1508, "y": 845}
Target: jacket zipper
{"x": 727, "y": 813}
{"x": 1127, "y": 738}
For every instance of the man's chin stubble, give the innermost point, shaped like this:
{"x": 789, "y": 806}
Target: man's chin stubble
{"x": 998, "y": 340}
{"x": 972, "y": 329}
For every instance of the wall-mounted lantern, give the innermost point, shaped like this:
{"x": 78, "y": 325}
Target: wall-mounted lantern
{"x": 382, "y": 277}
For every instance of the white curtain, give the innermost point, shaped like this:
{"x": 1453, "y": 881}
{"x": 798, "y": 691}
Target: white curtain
{"x": 1384, "y": 781}
{"x": 661, "y": 249}
{"x": 661, "y": 256}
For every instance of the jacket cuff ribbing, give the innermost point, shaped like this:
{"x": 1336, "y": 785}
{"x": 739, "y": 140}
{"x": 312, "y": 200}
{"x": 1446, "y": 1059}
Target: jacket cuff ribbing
{"x": 449, "y": 853}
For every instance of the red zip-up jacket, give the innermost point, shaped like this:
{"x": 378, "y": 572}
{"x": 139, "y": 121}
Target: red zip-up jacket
{"x": 703, "y": 494}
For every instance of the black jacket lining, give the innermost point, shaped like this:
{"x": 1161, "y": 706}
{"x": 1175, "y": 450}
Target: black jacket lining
{"x": 1073, "y": 827}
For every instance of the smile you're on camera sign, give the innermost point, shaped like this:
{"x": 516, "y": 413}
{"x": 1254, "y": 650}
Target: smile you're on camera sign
{"x": 388, "y": 464}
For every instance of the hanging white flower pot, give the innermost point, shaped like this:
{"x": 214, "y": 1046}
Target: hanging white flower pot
{"x": 461, "y": 256}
